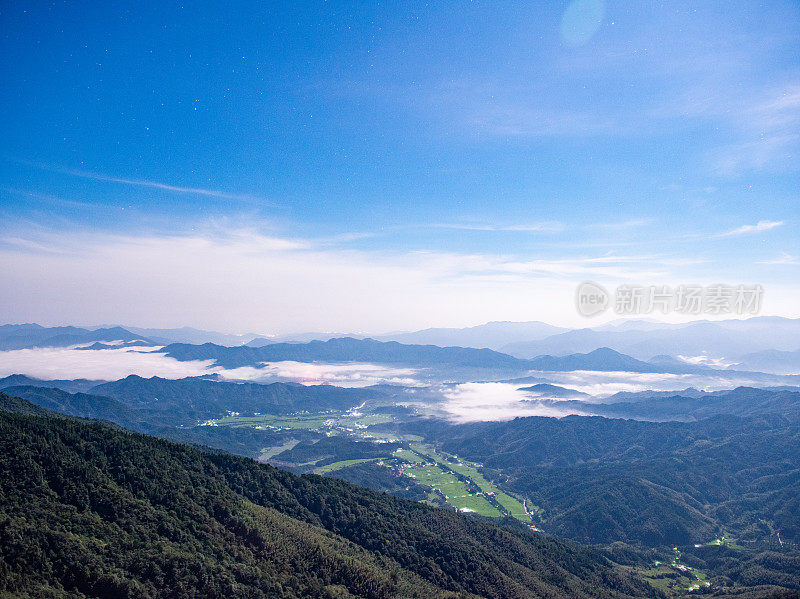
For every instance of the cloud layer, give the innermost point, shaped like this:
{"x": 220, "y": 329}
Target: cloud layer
{"x": 242, "y": 281}
{"x": 112, "y": 364}
{"x": 245, "y": 281}
{"x": 109, "y": 364}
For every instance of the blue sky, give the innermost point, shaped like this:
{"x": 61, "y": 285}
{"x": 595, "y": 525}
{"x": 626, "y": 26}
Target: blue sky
{"x": 376, "y": 166}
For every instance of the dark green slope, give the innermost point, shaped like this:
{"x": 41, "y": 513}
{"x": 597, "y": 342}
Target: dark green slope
{"x": 674, "y": 483}
{"x": 203, "y": 398}
{"x": 79, "y": 404}
{"x": 87, "y": 510}
{"x": 142, "y": 404}
{"x": 160, "y": 419}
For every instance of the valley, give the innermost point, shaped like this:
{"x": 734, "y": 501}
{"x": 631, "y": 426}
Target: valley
{"x": 686, "y": 489}
{"x": 447, "y": 479}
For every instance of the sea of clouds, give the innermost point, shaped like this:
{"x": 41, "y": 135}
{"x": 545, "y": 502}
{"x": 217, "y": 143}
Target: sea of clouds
{"x": 459, "y": 401}
{"x": 77, "y": 362}
{"x": 482, "y": 401}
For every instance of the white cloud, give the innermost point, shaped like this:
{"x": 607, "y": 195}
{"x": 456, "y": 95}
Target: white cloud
{"x": 244, "y": 281}
{"x": 762, "y": 225}
{"x": 112, "y": 364}
{"x": 603, "y": 384}
{"x": 108, "y": 364}
{"x": 632, "y": 223}
{"x": 706, "y": 360}
{"x": 352, "y": 374}
{"x": 473, "y": 402}
{"x": 607, "y": 383}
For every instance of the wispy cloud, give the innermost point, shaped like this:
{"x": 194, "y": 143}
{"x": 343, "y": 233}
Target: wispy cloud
{"x": 760, "y": 226}
{"x": 215, "y": 193}
{"x": 163, "y": 186}
{"x": 768, "y": 129}
{"x": 784, "y": 258}
{"x": 48, "y": 198}
{"x": 764, "y": 152}
{"x": 632, "y": 223}
{"x": 608, "y": 266}
{"x": 543, "y": 227}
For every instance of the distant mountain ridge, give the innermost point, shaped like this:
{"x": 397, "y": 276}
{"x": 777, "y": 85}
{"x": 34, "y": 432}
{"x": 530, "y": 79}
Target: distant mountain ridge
{"x": 716, "y": 339}
{"x": 771, "y": 360}
{"x": 547, "y": 390}
{"x": 192, "y": 335}
{"x": 347, "y": 349}
{"x": 641, "y": 339}
{"x": 72, "y": 386}
{"x": 664, "y": 406}
{"x": 606, "y": 359}
{"x": 492, "y": 335}
{"x": 24, "y": 336}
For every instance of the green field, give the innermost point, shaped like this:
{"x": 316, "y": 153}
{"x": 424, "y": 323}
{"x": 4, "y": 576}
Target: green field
{"x": 674, "y": 577}
{"x": 671, "y": 579}
{"x": 728, "y": 541}
{"x": 459, "y": 482}
{"x": 510, "y": 505}
{"x": 409, "y": 456}
{"x": 454, "y": 490}
{"x": 343, "y": 464}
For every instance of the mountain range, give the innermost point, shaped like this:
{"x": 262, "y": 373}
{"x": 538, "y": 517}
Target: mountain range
{"x": 347, "y": 349}
{"x": 134, "y": 400}
{"x": 741, "y": 401}
{"x": 658, "y": 483}
{"x": 13, "y": 336}
{"x": 727, "y": 339}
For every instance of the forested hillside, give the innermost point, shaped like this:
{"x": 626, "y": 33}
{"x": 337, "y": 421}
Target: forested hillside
{"x": 600, "y": 480}
{"x": 89, "y": 510}
{"x": 192, "y": 398}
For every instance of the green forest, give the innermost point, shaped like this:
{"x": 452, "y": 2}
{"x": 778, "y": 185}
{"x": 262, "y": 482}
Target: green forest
{"x": 87, "y": 509}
